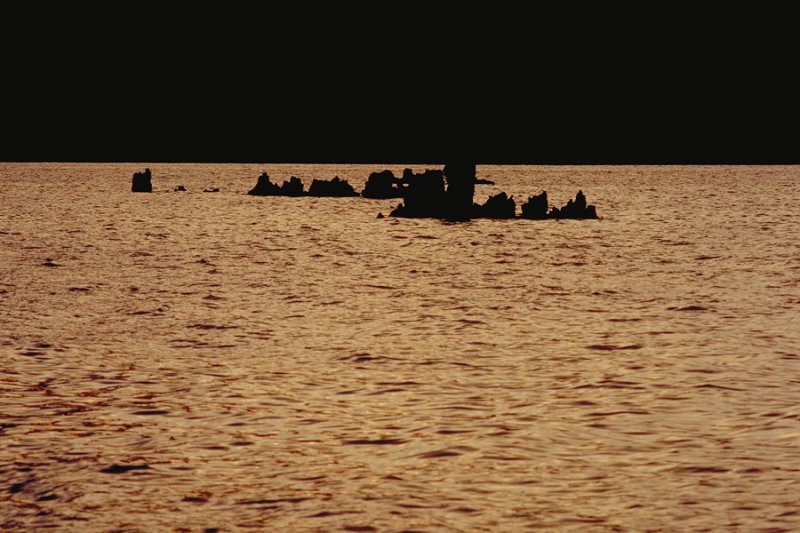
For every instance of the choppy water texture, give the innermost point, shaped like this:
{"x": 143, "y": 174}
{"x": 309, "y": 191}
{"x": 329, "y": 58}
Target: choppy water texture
{"x": 184, "y": 361}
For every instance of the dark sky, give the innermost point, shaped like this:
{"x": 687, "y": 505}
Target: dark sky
{"x": 496, "y": 87}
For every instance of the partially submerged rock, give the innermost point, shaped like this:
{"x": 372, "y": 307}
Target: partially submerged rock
{"x": 382, "y": 185}
{"x": 575, "y": 209}
{"x": 142, "y": 181}
{"x": 264, "y": 187}
{"x": 460, "y": 190}
{"x": 335, "y": 187}
{"x": 497, "y": 206}
{"x": 536, "y": 207}
{"x": 425, "y": 195}
{"x": 293, "y": 187}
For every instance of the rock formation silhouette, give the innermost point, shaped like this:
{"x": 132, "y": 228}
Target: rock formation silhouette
{"x": 497, "y": 206}
{"x": 575, "y": 209}
{"x": 335, "y": 187}
{"x": 536, "y": 207}
{"x": 142, "y": 181}
{"x": 425, "y": 195}
{"x": 446, "y": 194}
{"x": 180, "y": 188}
{"x": 460, "y": 190}
{"x": 293, "y": 187}
{"x": 264, "y": 187}
{"x": 383, "y": 185}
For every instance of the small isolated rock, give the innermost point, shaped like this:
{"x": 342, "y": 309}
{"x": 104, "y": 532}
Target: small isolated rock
{"x": 142, "y": 181}
{"x": 121, "y": 469}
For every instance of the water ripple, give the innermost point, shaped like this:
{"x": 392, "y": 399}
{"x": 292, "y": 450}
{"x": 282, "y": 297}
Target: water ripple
{"x": 214, "y": 362}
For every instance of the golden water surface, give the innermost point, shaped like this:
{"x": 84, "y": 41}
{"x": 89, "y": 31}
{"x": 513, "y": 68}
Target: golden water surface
{"x": 196, "y": 361}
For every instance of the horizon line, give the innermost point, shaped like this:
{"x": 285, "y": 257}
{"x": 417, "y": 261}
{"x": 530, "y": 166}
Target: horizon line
{"x": 418, "y": 162}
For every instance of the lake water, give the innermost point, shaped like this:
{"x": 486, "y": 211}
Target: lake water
{"x": 296, "y": 364}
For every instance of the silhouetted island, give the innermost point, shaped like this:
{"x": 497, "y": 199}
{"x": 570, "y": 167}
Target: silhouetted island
{"x": 142, "y": 181}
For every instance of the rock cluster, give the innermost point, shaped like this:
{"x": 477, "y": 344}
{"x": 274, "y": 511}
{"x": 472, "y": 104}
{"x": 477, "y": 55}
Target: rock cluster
{"x": 264, "y": 187}
{"x": 536, "y": 208}
{"x": 445, "y": 194}
{"x": 425, "y": 196}
{"x": 294, "y": 187}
